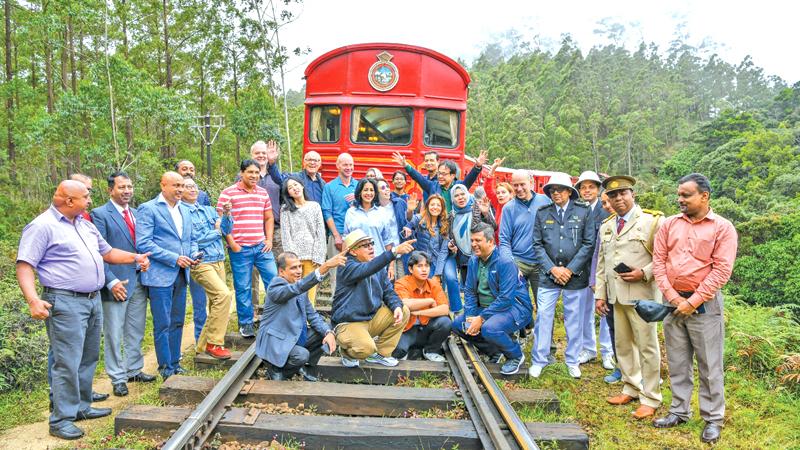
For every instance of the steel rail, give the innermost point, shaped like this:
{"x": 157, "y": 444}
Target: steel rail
{"x": 485, "y": 414}
{"x": 200, "y": 424}
{"x": 510, "y": 417}
{"x": 472, "y": 409}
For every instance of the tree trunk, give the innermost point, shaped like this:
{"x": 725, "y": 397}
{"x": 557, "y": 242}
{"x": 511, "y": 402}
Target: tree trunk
{"x": 236, "y": 98}
{"x": 629, "y": 156}
{"x": 48, "y": 75}
{"x": 166, "y": 150}
{"x": 71, "y": 43}
{"x": 64, "y": 59}
{"x": 202, "y": 105}
{"x": 12, "y": 148}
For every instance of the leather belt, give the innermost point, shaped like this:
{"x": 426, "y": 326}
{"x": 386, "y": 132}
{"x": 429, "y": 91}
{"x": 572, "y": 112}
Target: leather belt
{"x": 685, "y": 294}
{"x": 89, "y": 295}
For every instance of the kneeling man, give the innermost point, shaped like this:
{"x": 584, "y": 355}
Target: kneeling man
{"x": 367, "y": 314}
{"x": 285, "y": 340}
{"x": 430, "y": 322}
{"x": 496, "y": 299}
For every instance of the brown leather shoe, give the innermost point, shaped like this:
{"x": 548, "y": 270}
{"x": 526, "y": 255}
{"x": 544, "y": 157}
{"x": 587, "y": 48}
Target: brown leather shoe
{"x": 643, "y": 412}
{"x": 621, "y": 399}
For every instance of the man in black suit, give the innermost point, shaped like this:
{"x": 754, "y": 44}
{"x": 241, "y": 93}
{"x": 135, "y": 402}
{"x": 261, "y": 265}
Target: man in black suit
{"x": 124, "y": 298}
{"x": 285, "y": 340}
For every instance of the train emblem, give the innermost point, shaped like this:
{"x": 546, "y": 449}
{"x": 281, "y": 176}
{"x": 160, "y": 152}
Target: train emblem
{"x": 383, "y": 75}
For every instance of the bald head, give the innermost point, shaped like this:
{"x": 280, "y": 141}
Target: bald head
{"x": 71, "y": 198}
{"x": 521, "y": 182}
{"x": 172, "y": 184}
{"x": 345, "y": 165}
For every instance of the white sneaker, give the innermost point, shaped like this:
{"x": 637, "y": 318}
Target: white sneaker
{"x": 535, "y": 371}
{"x": 608, "y": 362}
{"x": 377, "y": 358}
{"x": 435, "y": 357}
{"x": 574, "y": 371}
{"x": 584, "y": 357}
{"x": 347, "y": 362}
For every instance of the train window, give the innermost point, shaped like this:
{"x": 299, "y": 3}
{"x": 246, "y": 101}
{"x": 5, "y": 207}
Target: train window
{"x": 324, "y": 123}
{"x": 381, "y": 125}
{"x": 441, "y": 128}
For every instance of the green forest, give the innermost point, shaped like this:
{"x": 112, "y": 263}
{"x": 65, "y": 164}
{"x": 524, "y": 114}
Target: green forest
{"x": 92, "y": 87}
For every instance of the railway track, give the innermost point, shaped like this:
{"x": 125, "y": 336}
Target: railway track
{"x": 353, "y": 408}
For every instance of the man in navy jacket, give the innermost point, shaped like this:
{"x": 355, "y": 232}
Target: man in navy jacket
{"x": 497, "y": 301}
{"x": 285, "y": 340}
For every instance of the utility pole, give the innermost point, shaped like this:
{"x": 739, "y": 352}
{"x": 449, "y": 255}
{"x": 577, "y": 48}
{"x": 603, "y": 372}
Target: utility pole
{"x": 204, "y": 126}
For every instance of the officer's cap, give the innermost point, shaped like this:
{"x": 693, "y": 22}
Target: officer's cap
{"x": 618, "y": 183}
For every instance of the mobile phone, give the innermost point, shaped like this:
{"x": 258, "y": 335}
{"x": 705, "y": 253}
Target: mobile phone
{"x": 622, "y": 268}
{"x": 326, "y": 348}
{"x": 199, "y": 255}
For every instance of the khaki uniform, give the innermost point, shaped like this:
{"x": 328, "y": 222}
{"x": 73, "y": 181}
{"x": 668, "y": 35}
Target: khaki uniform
{"x": 638, "y": 354}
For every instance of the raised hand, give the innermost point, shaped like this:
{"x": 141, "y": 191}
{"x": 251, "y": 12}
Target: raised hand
{"x": 482, "y": 157}
{"x": 497, "y": 163}
{"x": 399, "y": 159}
{"x": 272, "y": 152}
{"x": 413, "y": 202}
{"x": 405, "y": 247}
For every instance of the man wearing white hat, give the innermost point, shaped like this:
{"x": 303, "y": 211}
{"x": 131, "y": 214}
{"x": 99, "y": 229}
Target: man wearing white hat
{"x": 588, "y": 187}
{"x": 367, "y": 314}
{"x": 563, "y": 239}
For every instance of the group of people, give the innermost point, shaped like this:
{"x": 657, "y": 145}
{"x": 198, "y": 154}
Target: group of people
{"x": 398, "y": 267}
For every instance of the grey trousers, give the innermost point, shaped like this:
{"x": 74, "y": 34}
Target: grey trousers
{"x": 699, "y": 336}
{"x": 123, "y": 331}
{"x": 73, "y": 329}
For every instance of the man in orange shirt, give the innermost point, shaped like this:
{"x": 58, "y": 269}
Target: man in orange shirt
{"x": 429, "y": 324}
{"x": 692, "y": 260}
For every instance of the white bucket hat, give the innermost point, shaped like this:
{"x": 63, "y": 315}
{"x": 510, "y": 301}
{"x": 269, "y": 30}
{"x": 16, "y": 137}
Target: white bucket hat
{"x": 560, "y": 179}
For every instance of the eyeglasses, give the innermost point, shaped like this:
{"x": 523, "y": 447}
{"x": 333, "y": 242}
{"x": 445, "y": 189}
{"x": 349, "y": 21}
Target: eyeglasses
{"x": 365, "y": 245}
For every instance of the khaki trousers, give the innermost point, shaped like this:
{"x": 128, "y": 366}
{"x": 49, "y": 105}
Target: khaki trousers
{"x": 356, "y": 339}
{"x": 308, "y": 267}
{"x": 212, "y": 277}
{"x": 638, "y": 355}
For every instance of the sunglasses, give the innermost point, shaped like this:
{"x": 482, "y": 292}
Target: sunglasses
{"x": 365, "y": 245}
{"x": 559, "y": 189}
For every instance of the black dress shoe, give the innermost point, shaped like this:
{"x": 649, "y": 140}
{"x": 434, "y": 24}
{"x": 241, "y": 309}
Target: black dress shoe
{"x": 142, "y": 377}
{"x": 67, "y": 431}
{"x": 711, "y": 433}
{"x": 307, "y": 376}
{"x": 98, "y": 397}
{"x": 120, "y": 389}
{"x": 668, "y": 421}
{"x": 93, "y": 413}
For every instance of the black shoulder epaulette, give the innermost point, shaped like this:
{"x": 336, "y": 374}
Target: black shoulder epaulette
{"x": 612, "y": 216}
{"x": 582, "y": 204}
{"x": 653, "y": 212}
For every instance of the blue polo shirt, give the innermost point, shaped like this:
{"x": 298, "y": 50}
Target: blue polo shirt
{"x": 336, "y": 200}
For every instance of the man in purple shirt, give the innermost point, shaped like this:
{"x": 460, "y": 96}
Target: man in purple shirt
{"x": 68, "y": 253}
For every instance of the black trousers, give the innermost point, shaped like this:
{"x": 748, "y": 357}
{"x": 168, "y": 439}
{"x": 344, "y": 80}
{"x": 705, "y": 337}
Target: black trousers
{"x": 428, "y": 337}
{"x": 300, "y": 355}
{"x": 610, "y": 322}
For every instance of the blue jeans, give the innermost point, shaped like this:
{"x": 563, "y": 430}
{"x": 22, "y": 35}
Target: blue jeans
{"x": 450, "y": 281}
{"x": 242, "y": 264}
{"x": 168, "y": 306}
{"x": 496, "y": 335}
{"x": 199, "y": 301}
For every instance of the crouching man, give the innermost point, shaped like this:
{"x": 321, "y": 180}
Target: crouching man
{"x": 367, "y": 314}
{"x": 430, "y": 322}
{"x": 497, "y": 301}
{"x": 292, "y": 332}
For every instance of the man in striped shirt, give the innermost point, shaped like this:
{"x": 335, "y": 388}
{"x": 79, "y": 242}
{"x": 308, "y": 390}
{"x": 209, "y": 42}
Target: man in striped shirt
{"x": 251, "y": 243}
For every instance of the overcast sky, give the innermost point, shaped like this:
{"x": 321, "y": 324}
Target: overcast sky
{"x": 766, "y": 29}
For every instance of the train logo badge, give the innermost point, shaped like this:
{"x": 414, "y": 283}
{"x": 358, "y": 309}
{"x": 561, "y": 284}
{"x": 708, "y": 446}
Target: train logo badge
{"x": 383, "y": 75}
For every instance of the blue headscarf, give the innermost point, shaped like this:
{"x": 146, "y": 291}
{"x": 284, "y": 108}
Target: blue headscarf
{"x": 462, "y": 220}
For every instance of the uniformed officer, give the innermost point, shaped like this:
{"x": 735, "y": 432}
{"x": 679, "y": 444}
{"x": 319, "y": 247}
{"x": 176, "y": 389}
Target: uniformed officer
{"x": 625, "y": 274}
{"x": 563, "y": 239}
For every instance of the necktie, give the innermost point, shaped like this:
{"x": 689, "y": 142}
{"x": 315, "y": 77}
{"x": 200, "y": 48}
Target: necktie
{"x": 620, "y": 225}
{"x": 561, "y": 215}
{"x": 131, "y": 229}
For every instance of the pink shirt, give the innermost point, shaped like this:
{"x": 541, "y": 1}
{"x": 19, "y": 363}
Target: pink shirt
{"x": 694, "y": 256}
{"x": 247, "y": 209}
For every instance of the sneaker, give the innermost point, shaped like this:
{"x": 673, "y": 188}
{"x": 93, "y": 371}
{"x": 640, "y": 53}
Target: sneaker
{"x": 574, "y": 371}
{"x": 535, "y": 371}
{"x": 347, "y": 362}
{"x": 512, "y": 366}
{"x": 495, "y": 359}
{"x": 584, "y": 357}
{"x": 246, "y": 330}
{"x": 377, "y": 358}
{"x": 608, "y": 362}
{"x": 614, "y": 377}
{"x": 435, "y": 357}
{"x": 218, "y": 351}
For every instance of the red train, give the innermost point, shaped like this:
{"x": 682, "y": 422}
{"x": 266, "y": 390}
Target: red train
{"x": 370, "y": 100}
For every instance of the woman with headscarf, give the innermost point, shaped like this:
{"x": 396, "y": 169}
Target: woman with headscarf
{"x": 465, "y": 215}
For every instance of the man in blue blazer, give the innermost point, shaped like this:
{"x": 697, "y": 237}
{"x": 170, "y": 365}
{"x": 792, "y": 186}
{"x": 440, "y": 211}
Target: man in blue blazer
{"x": 284, "y": 338}
{"x": 124, "y": 297}
{"x": 164, "y": 229}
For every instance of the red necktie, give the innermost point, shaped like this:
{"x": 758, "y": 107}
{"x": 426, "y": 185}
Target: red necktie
{"x": 126, "y": 215}
{"x": 620, "y": 225}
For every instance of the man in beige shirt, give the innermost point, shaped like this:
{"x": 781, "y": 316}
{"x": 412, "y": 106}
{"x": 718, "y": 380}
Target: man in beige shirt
{"x": 624, "y": 275}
